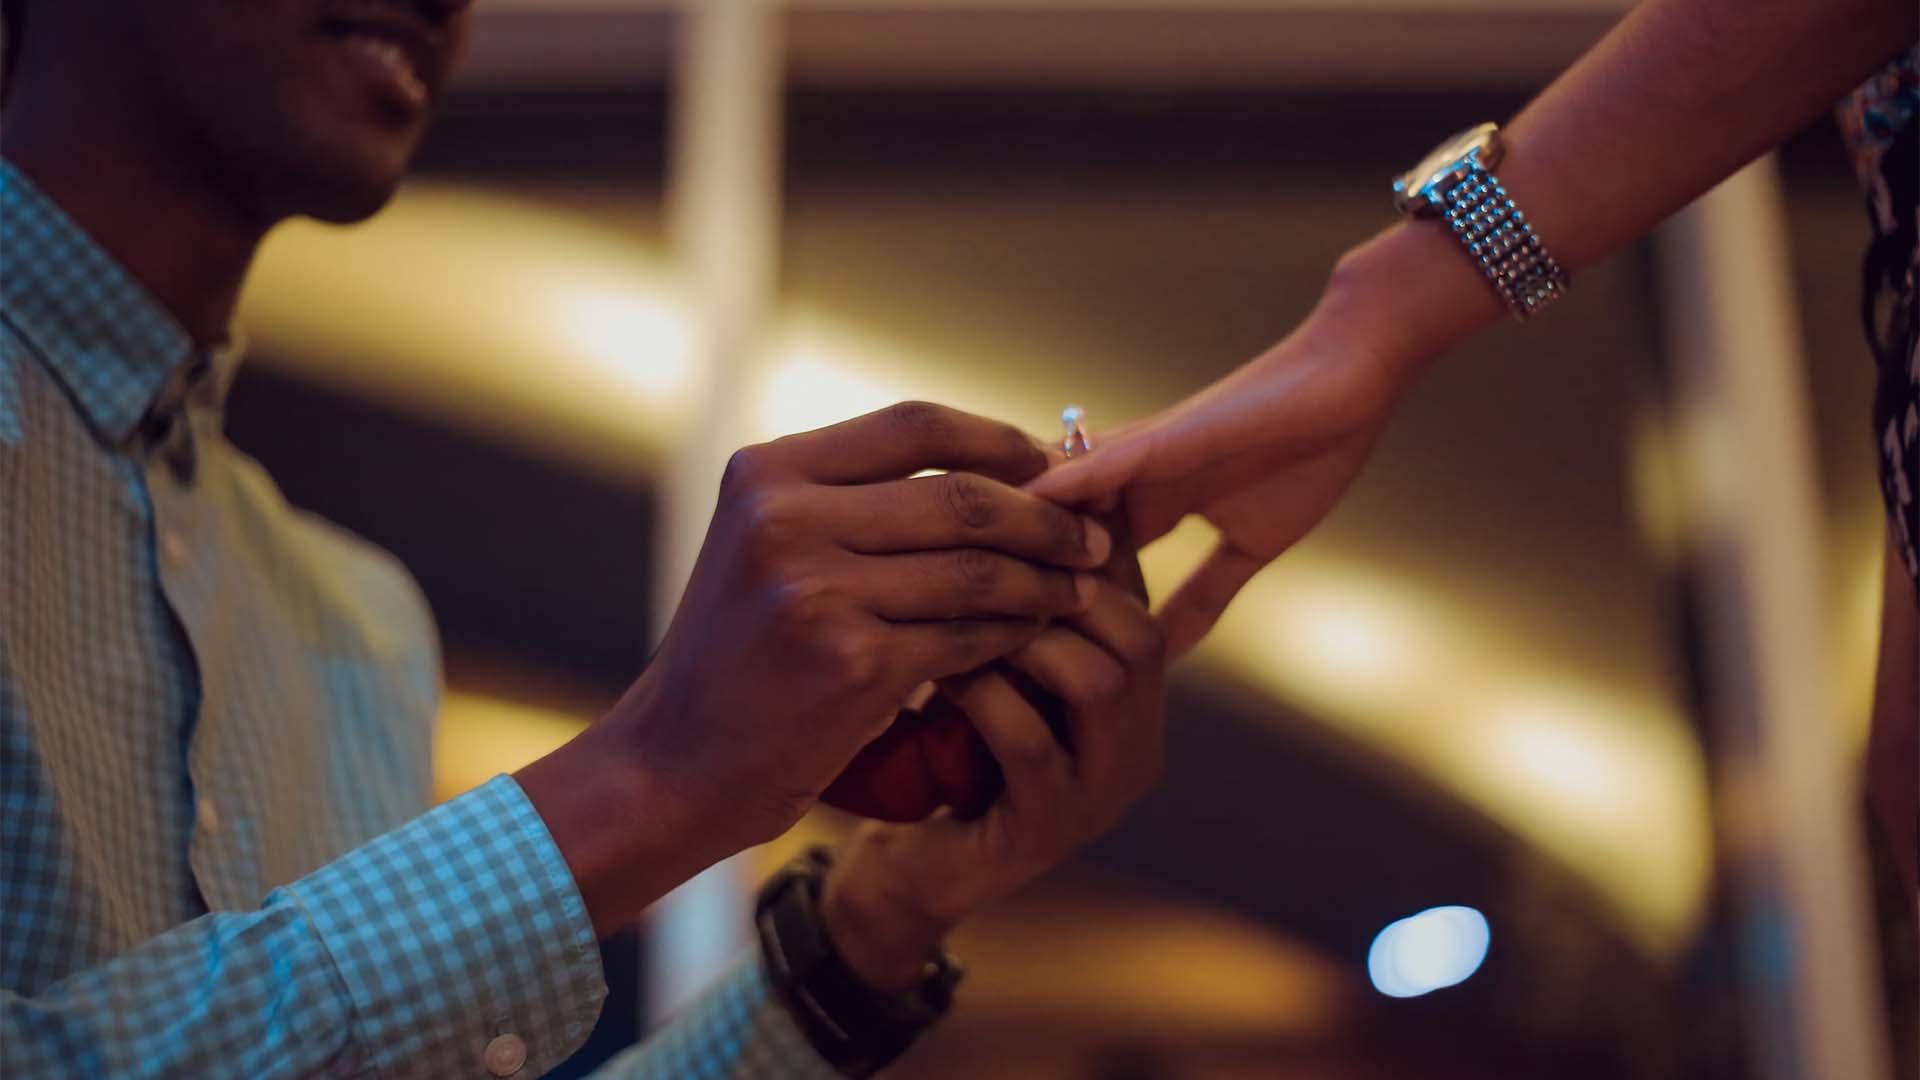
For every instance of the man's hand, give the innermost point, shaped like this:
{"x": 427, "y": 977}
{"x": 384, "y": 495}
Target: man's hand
{"x": 832, "y": 582}
{"x": 897, "y": 889}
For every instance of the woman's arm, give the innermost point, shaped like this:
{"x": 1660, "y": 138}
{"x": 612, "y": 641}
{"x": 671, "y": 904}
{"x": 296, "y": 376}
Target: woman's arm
{"x": 1677, "y": 97}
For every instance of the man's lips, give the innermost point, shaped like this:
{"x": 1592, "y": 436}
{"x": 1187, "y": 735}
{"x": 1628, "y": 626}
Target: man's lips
{"x": 406, "y": 54}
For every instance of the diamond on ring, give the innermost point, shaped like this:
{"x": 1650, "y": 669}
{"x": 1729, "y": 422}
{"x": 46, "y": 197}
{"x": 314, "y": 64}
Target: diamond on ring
{"x": 1077, "y": 442}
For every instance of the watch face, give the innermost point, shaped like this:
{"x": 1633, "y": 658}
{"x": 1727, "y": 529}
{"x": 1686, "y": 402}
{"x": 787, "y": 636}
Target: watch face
{"x": 1483, "y": 137}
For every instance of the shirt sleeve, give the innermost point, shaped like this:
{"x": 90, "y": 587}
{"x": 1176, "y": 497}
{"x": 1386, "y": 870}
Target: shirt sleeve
{"x": 737, "y": 1030}
{"x": 452, "y": 946}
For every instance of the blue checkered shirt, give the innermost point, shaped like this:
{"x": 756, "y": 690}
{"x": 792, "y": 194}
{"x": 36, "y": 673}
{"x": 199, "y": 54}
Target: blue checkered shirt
{"x": 216, "y": 855}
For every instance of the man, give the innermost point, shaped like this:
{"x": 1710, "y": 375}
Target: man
{"x": 214, "y": 710}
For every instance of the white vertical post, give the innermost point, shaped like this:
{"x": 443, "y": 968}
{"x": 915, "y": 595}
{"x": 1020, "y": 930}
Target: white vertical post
{"x": 723, "y": 213}
{"x": 1789, "y": 825}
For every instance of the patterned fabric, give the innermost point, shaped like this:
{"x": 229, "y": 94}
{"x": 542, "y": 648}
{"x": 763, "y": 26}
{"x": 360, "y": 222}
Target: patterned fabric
{"x": 1881, "y": 121}
{"x": 728, "y": 1034}
{"x": 216, "y": 858}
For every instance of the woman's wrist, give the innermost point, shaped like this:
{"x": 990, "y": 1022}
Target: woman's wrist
{"x": 1411, "y": 293}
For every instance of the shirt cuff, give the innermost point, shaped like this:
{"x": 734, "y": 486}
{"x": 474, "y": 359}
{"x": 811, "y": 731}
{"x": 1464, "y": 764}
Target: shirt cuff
{"x": 737, "y": 1030}
{"x": 461, "y": 940}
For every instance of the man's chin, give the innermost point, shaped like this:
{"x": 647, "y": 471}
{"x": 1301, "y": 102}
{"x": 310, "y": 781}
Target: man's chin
{"x": 346, "y": 207}
{"x": 348, "y": 185}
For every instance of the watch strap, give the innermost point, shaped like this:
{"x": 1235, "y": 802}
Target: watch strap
{"x": 1499, "y": 239}
{"x": 856, "y": 1029}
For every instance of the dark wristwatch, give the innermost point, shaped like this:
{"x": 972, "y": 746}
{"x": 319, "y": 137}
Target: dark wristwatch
{"x": 857, "y": 1030}
{"x": 1455, "y": 183}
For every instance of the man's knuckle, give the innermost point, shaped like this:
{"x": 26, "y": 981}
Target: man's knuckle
{"x": 971, "y": 500}
{"x": 922, "y": 421}
{"x": 807, "y": 602}
{"x": 850, "y": 657}
{"x": 774, "y": 526}
{"x": 1022, "y": 451}
{"x": 747, "y": 468}
{"x": 979, "y": 571}
{"x": 1096, "y": 683}
{"x": 1068, "y": 531}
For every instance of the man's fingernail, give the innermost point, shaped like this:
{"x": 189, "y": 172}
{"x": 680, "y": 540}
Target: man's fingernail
{"x": 1086, "y": 587}
{"x": 1099, "y": 541}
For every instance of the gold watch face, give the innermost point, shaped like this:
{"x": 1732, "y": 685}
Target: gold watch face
{"x": 1482, "y": 137}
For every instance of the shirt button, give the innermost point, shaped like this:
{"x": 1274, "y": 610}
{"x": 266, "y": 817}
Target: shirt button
{"x": 206, "y": 815}
{"x": 172, "y": 548}
{"x": 506, "y": 1054}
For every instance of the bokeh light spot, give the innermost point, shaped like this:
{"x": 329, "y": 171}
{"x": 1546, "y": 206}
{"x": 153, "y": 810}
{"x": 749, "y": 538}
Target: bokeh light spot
{"x": 1437, "y": 948}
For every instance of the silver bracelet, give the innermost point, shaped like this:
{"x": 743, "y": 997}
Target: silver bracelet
{"x": 1501, "y": 242}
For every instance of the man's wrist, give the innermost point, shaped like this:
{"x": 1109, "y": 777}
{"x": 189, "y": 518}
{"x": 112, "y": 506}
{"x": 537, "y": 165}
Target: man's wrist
{"x": 627, "y": 837}
{"x": 882, "y": 932}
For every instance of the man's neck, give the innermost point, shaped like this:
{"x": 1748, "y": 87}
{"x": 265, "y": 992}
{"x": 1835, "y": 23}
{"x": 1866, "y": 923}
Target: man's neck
{"x": 163, "y": 217}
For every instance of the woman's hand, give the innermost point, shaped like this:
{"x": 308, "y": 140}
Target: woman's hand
{"x": 1263, "y": 454}
{"x": 897, "y": 889}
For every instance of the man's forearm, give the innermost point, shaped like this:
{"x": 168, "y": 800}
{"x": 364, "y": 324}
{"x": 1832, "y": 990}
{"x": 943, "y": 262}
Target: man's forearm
{"x": 1678, "y": 96}
{"x": 409, "y": 955}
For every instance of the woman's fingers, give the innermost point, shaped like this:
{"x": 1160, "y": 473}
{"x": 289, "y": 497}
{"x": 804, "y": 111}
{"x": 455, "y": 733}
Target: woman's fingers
{"x": 1097, "y": 478}
{"x": 1200, "y": 600}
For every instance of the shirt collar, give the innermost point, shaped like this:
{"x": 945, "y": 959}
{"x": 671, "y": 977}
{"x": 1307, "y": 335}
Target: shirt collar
{"x": 97, "y": 329}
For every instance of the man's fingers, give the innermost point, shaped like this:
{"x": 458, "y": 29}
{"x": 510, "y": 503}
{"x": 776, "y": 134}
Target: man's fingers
{"x": 963, "y": 509}
{"x": 911, "y": 437}
{"x": 931, "y": 651}
{"x": 1032, "y": 762}
{"x": 1200, "y": 601}
{"x": 968, "y": 583}
{"x": 1091, "y": 683}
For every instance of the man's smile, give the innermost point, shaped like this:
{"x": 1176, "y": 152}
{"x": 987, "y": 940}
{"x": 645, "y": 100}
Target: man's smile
{"x": 402, "y": 58}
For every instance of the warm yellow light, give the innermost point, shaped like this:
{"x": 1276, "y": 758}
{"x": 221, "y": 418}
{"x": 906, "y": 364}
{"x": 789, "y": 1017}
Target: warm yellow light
{"x": 822, "y": 370}
{"x": 1349, "y": 641}
{"x": 806, "y": 390}
{"x": 493, "y": 312}
{"x": 638, "y": 342}
{"x": 1608, "y": 783}
{"x": 1620, "y": 777}
{"x": 480, "y": 737}
{"x": 1543, "y": 744}
{"x": 1854, "y": 640}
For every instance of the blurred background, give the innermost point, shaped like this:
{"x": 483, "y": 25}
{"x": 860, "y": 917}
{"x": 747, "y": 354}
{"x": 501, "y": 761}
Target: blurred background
{"x": 1470, "y": 687}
